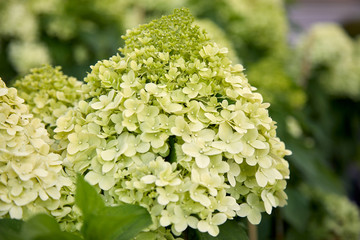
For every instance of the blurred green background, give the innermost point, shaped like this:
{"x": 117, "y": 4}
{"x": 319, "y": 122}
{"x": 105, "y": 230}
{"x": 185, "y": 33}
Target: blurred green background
{"x": 311, "y": 77}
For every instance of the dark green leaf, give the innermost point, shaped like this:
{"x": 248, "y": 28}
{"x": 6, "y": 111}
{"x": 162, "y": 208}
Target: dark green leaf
{"x": 87, "y": 199}
{"x": 297, "y": 212}
{"x": 10, "y": 229}
{"x": 116, "y": 223}
{"x": 230, "y": 230}
{"x": 39, "y": 225}
{"x": 58, "y": 236}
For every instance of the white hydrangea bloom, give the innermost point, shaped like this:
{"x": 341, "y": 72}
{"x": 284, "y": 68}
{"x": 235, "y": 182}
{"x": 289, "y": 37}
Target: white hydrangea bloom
{"x": 329, "y": 54}
{"x": 25, "y": 55}
{"x": 31, "y": 175}
{"x": 173, "y": 126}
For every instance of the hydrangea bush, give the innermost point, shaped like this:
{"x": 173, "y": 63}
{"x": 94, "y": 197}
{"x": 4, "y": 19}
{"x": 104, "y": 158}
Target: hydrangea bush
{"x": 328, "y": 51}
{"x": 170, "y": 124}
{"x": 246, "y": 23}
{"x": 32, "y": 179}
{"x": 337, "y": 218}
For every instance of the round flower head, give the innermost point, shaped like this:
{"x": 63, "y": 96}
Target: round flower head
{"x": 326, "y": 50}
{"x": 336, "y": 216}
{"x": 31, "y": 176}
{"x": 49, "y": 93}
{"x": 171, "y": 125}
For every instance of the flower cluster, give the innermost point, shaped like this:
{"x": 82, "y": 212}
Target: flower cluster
{"x": 32, "y": 178}
{"x": 328, "y": 51}
{"x": 171, "y": 125}
{"x": 49, "y": 93}
{"x": 336, "y": 216}
{"x": 246, "y": 23}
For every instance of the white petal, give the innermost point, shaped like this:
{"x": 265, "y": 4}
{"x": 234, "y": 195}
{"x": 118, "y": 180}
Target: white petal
{"x": 190, "y": 149}
{"x": 254, "y": 216}
{"x": 107, "y": 182}
{"x": 203, "y": 226}
{"x": 219, "y": 218}
{"x": 148, "y": 179}
{"x": 16, "y": 212}
{"x": 202, "y": 161}
{"x": 258, "y": 144}
{"x": 234, "y": 147}
{"x": 261, "y": 179}
{"x": 92, "y": 177}
{"x": 244, "y": 210}
{"x": 107, "y": 167}
{"x": 53, "y": 192}
{"x": 225, "y": 131}
{"x": 108, "y": 155}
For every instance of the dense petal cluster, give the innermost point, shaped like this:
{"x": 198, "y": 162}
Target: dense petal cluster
{"x": 328, "y": 51}
{"x": 49, "y": 93}
{"x": 171, "y": 125}
{"x": 31, "y": 175}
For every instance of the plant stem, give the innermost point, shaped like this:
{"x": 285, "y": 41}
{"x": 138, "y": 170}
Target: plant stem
{"x": 252, "y": 231}
{"x": 279, "y": 225}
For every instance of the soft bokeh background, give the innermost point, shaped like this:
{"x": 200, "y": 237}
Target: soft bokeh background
{"x": 303, "y": 56}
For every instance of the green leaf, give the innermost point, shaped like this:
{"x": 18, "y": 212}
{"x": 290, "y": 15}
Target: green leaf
{"x": 230, "y": 230}
{"x": 10, "y": 229}
{"x": 108, "y": 223}
{"x": 58, "y": 236}
{"x": 116, "y": 223}
{"x": 87, "y": 199}
{"x": 297, "y": 212}
{"x": 44, "y": 227}
{"x": 39, "y": 225}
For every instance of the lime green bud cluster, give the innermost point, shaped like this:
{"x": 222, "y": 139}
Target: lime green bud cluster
{"x": 171, "y": 125}
{"x": 49, "y": 93}
{"x": 31, "y": 175}
{"x": 328, "y": 51}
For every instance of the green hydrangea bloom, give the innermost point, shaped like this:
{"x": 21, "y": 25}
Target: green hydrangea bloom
{"x": 32, "y": 179}
{"x": 171, "y": 125}
{"x": 329, "y": 54}
{"x": 49, "y": 93}
{"x": 336, "y": 216}
{"x": 246, "y": 23}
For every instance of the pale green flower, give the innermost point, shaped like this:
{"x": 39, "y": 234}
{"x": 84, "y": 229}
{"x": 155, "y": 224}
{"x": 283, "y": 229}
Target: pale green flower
{"x": 327, "y": 53}
{"x": 230, "y": 141}
{"x": 49, "y": 94}
{"x": 211, "y": 223}
{"x": 32, "y": 178}
{"x": 171, "y": 125}
{"x": 252, "y": 209}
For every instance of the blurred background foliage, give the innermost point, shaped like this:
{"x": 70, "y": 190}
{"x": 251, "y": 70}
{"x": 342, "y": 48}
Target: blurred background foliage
{"x": 313, "y": 87}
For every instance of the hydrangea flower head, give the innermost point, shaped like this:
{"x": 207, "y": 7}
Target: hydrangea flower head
{"x": 171, "y": 125}
{"x": 336, "y": 217}
{"x": 327, "y": 52}
{"x": 31, "y": 175}
{"x": 49, "y": 93}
